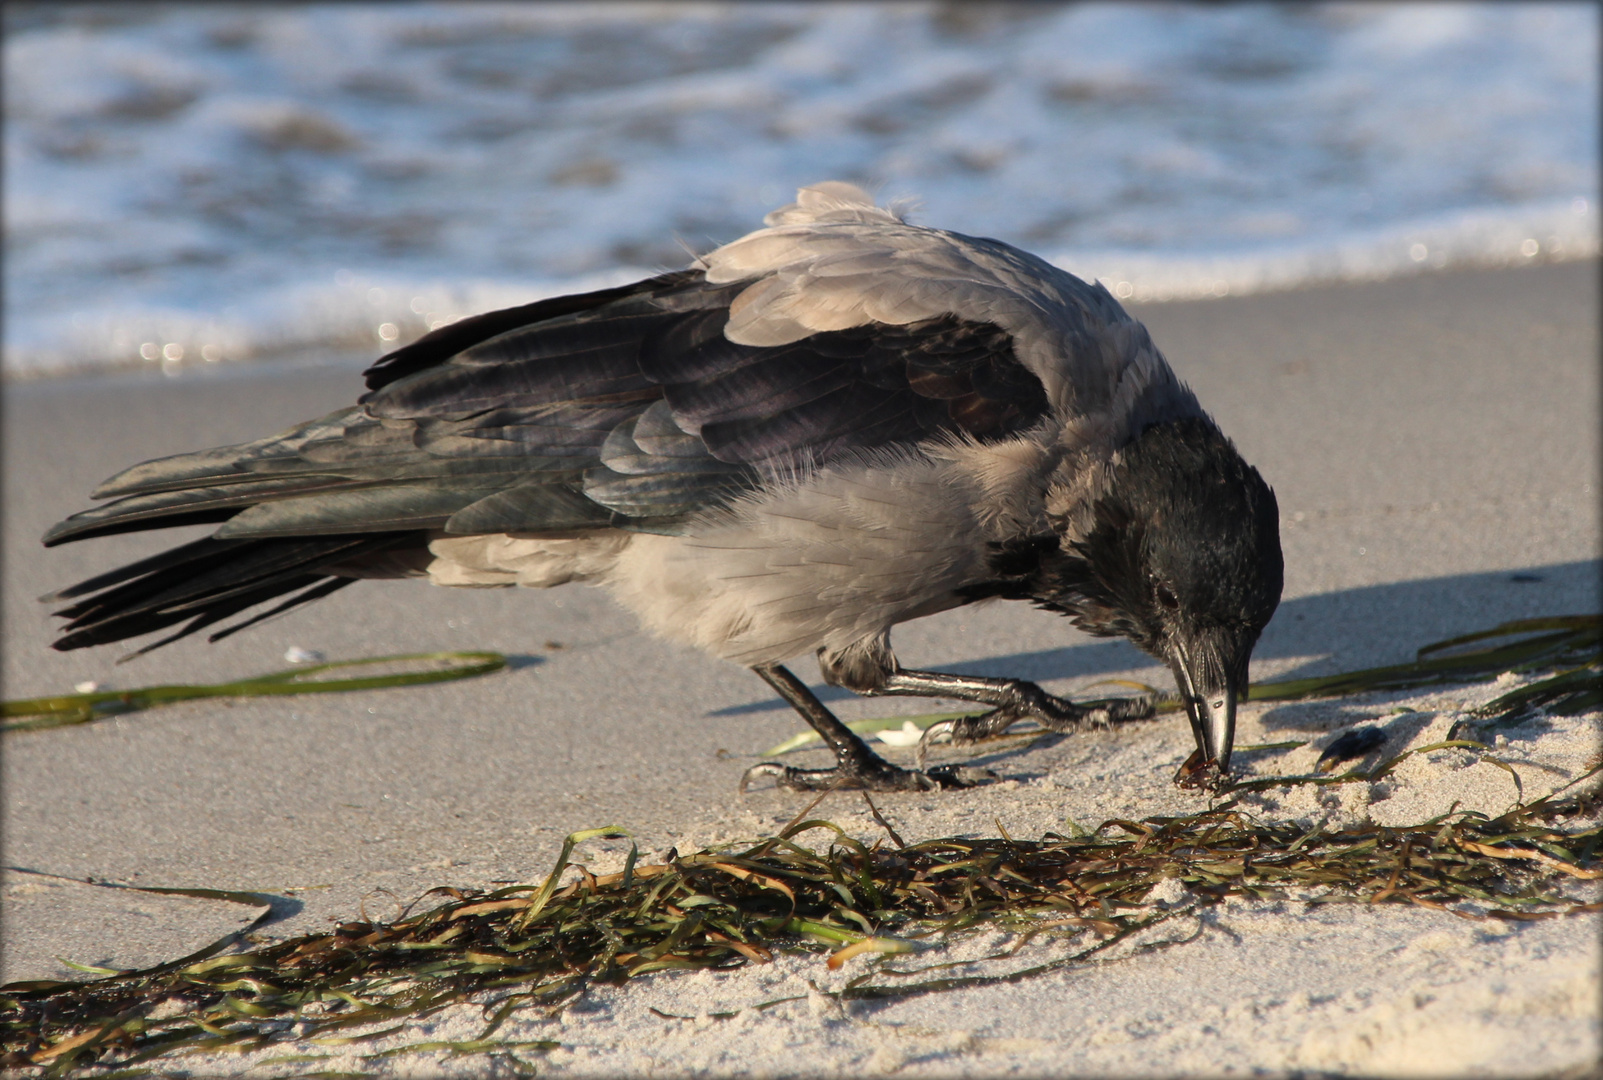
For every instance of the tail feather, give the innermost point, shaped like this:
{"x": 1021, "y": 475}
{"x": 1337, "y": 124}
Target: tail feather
{"x": 160, "y": 561}
{"x": 316, "y": 592}
{"x": 223, "y": 611}
{"x": 213, "y": 613}
{"x": 209, "y": 580}
{"x": 217, "y": 568}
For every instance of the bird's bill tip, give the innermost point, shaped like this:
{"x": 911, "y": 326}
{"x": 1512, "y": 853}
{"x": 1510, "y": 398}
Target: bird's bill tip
{"x": 1211, "y": 705}
{"x": 1215, "y": 726}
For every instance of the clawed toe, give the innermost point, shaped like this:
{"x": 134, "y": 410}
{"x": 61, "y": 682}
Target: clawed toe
{"x": 877, "y": 776}
{"x": 964, "y": 730}
{"x": 1120, "y": 710}
{"x": 1052, "y": 713}
{"x": 952, "y": 777}
{"x": 1109, "y": 714}
{"x": 841, "y": 777}
{"x": 938, "y": 732}
{"x": 766, "y": 768}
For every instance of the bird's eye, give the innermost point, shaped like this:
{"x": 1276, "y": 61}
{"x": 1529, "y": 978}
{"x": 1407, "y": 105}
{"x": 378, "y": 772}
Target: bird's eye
{"x": 1167, "y": 598}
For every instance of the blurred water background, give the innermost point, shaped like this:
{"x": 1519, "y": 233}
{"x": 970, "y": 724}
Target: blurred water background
{"x": 191, "y": 183}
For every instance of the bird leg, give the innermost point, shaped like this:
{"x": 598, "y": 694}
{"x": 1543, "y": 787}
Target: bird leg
{"x": 856, "y": 766}
{"x": 1012, "y": 700}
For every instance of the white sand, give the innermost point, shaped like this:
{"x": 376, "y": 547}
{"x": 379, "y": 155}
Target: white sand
{"x": 1246, "y": 988}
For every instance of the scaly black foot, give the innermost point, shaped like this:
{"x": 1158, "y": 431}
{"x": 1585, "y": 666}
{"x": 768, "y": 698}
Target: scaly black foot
{"x": 857, "y": 768}
{"x": 1032, "y": 703}
{"x": 875, "y": 774}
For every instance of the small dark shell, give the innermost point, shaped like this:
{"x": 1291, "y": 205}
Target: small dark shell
{"x": 1354, "y": 744}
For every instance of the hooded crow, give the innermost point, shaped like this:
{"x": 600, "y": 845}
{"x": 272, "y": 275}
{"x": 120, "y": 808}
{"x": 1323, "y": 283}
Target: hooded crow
{"x": 832, "y": 425}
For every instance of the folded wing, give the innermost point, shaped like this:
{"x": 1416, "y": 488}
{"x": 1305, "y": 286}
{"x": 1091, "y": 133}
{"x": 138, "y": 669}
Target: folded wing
{"x": 837, "y": 331}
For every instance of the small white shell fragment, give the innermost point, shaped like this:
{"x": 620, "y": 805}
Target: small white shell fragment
{"x": 88, "y": 686}
{"x": 297, "y": 655}
{"x": 907, "y": 735}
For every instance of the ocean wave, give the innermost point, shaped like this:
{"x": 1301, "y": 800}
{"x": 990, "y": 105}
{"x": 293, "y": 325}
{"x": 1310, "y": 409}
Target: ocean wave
{"x": 369, "y": 315}
{"x": 187, "y": 184}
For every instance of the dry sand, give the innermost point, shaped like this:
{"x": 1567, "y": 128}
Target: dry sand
{"x": 1434, "y": 445}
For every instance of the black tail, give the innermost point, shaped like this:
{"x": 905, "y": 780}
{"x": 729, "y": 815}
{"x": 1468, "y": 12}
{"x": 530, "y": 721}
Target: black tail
{"x": 204, "y": 582}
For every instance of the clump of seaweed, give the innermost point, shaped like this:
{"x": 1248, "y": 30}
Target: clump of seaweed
{"x": 531, "y": 945}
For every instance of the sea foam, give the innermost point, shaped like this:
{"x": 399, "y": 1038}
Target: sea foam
{"x": 188, "y": 184}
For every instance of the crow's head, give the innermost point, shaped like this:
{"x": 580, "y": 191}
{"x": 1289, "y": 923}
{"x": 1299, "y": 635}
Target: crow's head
{"x": 1180, "y": 552}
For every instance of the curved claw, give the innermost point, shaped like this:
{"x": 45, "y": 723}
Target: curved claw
{"x": 766, "y": 768}
{"x": 885, "y": 778}
{"x": 889, "y": 778}
{"x": 940, "y": 731}
{"x": 961, "y": 776}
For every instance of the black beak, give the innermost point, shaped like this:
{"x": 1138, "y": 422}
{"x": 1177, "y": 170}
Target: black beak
{"x": 1204, "y": 671}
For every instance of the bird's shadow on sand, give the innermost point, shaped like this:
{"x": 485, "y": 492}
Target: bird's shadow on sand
{"x": 1352, "y": 628}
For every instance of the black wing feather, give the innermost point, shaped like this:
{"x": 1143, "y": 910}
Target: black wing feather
{"x": 438, "y": 346}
